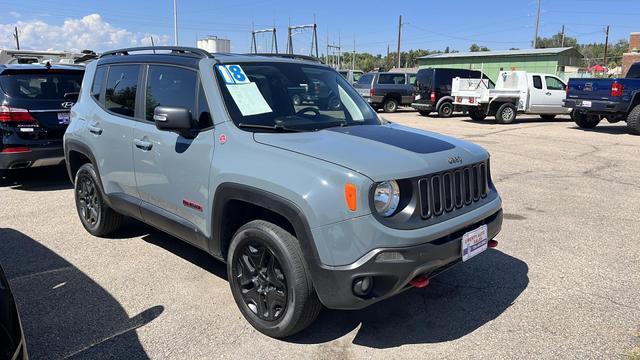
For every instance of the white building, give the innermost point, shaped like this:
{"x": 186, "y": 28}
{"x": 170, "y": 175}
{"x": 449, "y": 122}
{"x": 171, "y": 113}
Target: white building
{"x": 214, "y": 45}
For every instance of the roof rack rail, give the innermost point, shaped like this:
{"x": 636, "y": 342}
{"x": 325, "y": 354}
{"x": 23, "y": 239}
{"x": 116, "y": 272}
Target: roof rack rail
{"x": 182, "y": 50}
{"x": 292, "y": 56}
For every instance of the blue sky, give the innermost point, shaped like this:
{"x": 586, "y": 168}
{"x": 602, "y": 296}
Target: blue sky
{"x": 499, "y": 24}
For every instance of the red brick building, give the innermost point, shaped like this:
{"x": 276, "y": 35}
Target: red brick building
{"x": 633, "y": 55}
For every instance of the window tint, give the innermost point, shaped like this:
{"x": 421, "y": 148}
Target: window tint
{"x": 357, "y": 76}
{"x": 554, "y": 83}
{"x": 391, "y": 79}
{"x": 365, "y": 79}
{"x": 98, "y": 81}
{"x": 204, "y": 114}
{"x": 170, "y": 86}
{"x": 424, "y": 78}
{"x": 537, "y": 82}
{"x": 634, "y": 71}
{"x": 41, "y": 85}
{"x": 122, "y": 84}
{"x": 345, "y": 74}
{"x": 412, "y": 79}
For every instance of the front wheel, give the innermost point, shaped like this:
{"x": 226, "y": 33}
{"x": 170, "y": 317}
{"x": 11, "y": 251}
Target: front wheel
{"x": 96, "y": 216}
{"x": 506, "y": 113}
{"x": 585, "y": 121}
{"x": 269, "y": 281}
{"x": 390, "y": 106}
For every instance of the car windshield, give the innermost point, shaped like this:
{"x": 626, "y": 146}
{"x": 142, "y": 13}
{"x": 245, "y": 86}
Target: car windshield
{"x": 284, "y": 96}
{"x": 46, "y": 85}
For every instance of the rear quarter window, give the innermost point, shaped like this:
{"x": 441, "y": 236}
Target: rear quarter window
{"x": 391, "y": 79}
{"x": 98, "y": 83}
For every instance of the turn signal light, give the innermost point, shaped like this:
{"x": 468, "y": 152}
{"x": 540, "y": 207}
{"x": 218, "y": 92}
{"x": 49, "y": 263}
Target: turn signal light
{"x": 350, "y": 193}
{"x": 11, "y": 114}
{"x": 433, "y": 97}
{"x": 616, "y": 89}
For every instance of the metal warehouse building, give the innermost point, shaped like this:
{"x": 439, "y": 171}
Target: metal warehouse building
{"x": 551, "y": 61}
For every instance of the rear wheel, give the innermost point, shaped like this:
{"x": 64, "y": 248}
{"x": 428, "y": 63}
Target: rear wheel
{"x": 390, "y": 105}
{"x": 477, "y": 114}
{"x": 445, "y": 109}
{"x": 269, "y": 281}
{"x": 96, "y": 216}
{"x": 424, "y": 112}
{"x": 506, "y": 113}
{"x": 585, "y": 121}
{"x": 633, "y": 121}
{"x": 547, "y": 117}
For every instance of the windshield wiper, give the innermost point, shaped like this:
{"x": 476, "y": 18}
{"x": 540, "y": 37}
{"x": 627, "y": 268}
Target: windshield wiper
{"x": 275, "y": 127}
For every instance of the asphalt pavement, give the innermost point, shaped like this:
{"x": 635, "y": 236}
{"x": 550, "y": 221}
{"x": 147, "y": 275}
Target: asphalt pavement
{"x": 564, "y": 281}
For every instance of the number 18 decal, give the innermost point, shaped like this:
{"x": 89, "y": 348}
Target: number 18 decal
{"x": 233, "y": 74}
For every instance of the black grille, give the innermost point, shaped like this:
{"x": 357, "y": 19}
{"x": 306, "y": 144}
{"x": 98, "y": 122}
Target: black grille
{"x": 444, "y": 192}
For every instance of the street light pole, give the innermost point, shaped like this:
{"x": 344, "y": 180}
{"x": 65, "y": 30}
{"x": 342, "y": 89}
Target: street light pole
{"x": 175, "y": 22}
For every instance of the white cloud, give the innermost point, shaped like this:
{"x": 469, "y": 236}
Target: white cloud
{"x": 90, "y": 32}
{"x": 15, "y": 14}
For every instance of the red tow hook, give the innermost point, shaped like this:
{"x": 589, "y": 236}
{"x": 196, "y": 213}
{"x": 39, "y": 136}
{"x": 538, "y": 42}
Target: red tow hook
{"x": 419, "y": 282}
{"x": 492, "y": 243}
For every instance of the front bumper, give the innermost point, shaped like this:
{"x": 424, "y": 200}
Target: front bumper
{"x": 596, "y": 107}
{"x": 36, "y": 157}
{"x": 334, "y": 284}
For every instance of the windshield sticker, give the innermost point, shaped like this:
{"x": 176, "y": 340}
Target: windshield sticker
{"x": 249, "y": 99}
{"x": 233, "y": 74}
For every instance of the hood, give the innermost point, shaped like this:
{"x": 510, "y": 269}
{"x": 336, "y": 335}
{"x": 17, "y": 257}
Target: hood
{"x": 380, "y": 152}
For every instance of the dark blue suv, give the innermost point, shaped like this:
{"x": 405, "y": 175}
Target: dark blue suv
{"x": 35, "y": 101}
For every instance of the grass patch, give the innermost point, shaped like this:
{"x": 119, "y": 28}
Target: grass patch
{"x": 635, "y": 353}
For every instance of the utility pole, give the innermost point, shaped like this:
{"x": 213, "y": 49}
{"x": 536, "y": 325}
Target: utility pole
{"x": 175, "y": 21}
{"x": 562, "y": 41}
{"x": 606, "y": 45}
{"x": 399, "y": 37}
{"x": 353, "y": 57}
{"x": 535, "y": 35}
{"x": 16, "y": 36}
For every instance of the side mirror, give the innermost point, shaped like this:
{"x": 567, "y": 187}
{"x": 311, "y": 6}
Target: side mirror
{"x": 177, "y": 119}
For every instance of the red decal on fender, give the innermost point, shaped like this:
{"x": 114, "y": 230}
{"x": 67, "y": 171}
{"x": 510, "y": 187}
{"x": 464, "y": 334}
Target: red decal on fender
{"x": 191, "y": 204}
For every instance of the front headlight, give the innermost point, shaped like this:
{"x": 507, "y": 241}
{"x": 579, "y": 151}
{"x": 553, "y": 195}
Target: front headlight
{"x": 386, "y": 197}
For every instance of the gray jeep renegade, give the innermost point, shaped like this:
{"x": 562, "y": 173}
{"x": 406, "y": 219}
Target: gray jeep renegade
{"x": 309, "y": 204}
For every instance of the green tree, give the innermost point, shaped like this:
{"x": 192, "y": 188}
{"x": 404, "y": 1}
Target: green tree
{"x": 476, "y": 48}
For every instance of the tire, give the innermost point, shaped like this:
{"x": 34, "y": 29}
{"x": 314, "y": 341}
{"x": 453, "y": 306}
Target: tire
{"x": 477, "y": 115}
{"x": 506, "y": 113}
{"x": 390, "y": 105}
{"x": 633, "y": 121}
{"x": 424, "y": 112}
{"x": 283, "y": 278}
{"x": 95, "y": 215}
{"x": 585, "y": 121}
{"x": 445, "y": 109}
{"x": 547, "y": 117}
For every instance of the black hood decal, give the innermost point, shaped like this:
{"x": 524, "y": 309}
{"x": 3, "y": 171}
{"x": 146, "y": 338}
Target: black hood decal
{"x": 406, "y": 140}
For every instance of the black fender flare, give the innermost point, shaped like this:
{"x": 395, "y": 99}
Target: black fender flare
{"x": 635, "y": 101}
{"x": 76, "y": 146}
{"x": 443, "y": 99}
{"x": 227, "y": 192}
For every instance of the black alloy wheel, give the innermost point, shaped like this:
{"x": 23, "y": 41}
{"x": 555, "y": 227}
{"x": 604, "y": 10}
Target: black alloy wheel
{"x": 261, "y": 281}
{"x": 89, "y": 204}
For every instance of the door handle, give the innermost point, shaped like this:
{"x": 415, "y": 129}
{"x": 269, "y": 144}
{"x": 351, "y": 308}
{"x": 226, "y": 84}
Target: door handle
{"x": 548, "y": 93}
{"x": 143, "y": 145}
{"x": 95, "y": 130}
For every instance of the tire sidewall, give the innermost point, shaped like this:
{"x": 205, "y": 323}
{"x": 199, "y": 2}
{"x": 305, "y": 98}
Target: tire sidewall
{"x": 500, "y": 116}
{"x": 87, "y": 171}
{"x": 268, "y": 239}
{"x": 445, "y": 109}
{"x": 390, "y": 106}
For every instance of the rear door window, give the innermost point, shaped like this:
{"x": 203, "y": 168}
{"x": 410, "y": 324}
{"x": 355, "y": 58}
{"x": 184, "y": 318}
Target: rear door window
{"x": 412, "y": 79}
{"x": 424, "y": 78}
{"x": 122, "y": 86}
{"x": 170, "y": 86}
{"x": 391, "y": 79}
{"x": 41, "y": 85}
{"x": 357, "y": 75}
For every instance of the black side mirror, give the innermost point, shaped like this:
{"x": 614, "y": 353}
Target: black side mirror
{"x": 177, "y": 119}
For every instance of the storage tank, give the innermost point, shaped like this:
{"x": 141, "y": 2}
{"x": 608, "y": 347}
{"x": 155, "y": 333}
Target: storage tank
{"x": 214, "y": 45}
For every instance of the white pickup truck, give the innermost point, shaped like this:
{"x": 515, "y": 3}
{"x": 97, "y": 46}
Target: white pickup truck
{"x": 515, "y": 92}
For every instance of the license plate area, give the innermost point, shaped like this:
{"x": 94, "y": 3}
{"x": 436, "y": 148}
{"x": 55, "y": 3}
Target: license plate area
{"x": 474, "y": 242}
{"x": 585, "y": 103}
{"x": 63, "y": 118}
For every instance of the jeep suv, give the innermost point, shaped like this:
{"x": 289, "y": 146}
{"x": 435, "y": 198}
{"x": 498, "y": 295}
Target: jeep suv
{"x": 34, "y": 112}
{"x": 307, "y": 206}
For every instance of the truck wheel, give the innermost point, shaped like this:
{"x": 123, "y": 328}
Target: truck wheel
{"x": 633, "y": 121}
{"x": 390, "y": 106}
{"x": 96, "y": 216}
{"x": 506, "y": 113}
{"x": 477, "y": 114}
{"x": 269, "y": 281}
{"x": 585, "y": 121}
{"x": 547, "y": 117}
{"x": 424, "y": 112}
{"x": 445, "y": 109}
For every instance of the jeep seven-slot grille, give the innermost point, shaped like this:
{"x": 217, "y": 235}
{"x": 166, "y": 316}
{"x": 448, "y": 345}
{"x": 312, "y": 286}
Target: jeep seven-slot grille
{"x": 443, "y": 192}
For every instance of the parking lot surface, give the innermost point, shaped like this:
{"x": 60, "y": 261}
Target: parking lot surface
{"x": 563, "y": 282}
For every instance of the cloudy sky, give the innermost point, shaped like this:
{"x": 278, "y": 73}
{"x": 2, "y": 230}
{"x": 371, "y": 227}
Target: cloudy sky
{"x": 498, "y": 24}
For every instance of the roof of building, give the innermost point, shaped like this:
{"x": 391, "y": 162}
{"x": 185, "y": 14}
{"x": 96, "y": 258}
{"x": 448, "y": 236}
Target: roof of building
{"x": 525, "y": 52}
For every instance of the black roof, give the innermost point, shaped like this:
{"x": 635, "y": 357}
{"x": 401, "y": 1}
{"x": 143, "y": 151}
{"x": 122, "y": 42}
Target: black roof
{"x": 30, "y": 67}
